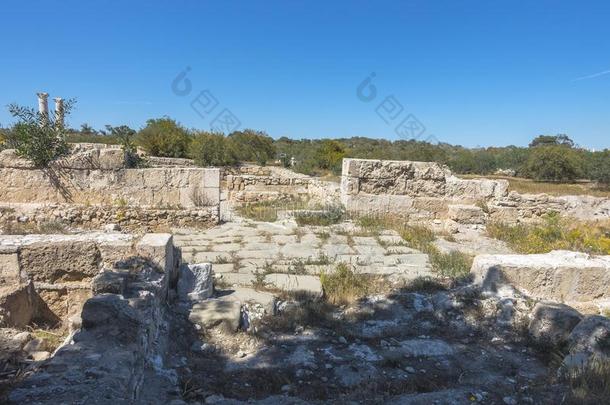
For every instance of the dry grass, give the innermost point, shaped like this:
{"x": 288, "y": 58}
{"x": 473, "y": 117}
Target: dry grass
{"x": 455, "y": 265}
{"x": 553, "y": 234}
{"x": 527, "y": 186}
{"x": 589, "y": 384}
{"x": 267, "y": 211}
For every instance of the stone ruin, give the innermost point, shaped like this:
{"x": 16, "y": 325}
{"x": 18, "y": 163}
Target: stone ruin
{"x": 234, "y": 311}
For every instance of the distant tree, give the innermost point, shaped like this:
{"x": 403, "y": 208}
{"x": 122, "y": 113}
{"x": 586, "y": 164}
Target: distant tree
{"x": 126, "y": 138}
{"x": 36, "y": 137}
{"x": 600, "y": 167}
{"x": 552, "y": 140}
{"x": 329, "y": 155}
{"x": 86, "y": 129}
{"x": 164, "y": 137}
{"x": 211, "y": 149}
{"x": 250, "y": 145}
{"x": 553, "y": 163}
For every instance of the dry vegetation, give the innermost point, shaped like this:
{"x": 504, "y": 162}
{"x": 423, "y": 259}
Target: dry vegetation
{"x": 553, "y": 234}
{"x": 455, "y": 265}
{"x": 527, "y": 186}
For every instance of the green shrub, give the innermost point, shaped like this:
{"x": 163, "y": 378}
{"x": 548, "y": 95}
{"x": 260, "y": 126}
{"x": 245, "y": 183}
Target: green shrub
{"x": 553, "y": 163}
{"x": 211, "y": 149}
{"x": 251, "y": 146}
{"x": 164, "y": 137}
{"x": 37, "y": 137}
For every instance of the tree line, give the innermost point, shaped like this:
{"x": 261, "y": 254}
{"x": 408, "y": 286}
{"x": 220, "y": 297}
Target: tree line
{"x": 547, "y": 158}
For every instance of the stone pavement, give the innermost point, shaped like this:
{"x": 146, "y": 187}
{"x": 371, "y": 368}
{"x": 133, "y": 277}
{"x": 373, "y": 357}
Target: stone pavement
{"x": 290, "y": 257}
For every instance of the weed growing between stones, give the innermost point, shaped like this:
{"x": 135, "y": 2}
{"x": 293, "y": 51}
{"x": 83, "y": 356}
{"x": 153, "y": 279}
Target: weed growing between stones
{"x": 589, "y": 384}
{"x": 343, "y": 285}
{"x": 329, "y": 215}
{"x": 554, "y": 233}
{"x": 454, "y": 265}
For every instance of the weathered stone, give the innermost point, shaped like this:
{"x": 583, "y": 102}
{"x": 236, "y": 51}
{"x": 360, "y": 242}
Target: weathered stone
{"x": 558, "y": 275}
{"x": 60, "y": 260}
{"x": 112, "y": 312}
{"x": 552, "y": 323}
{"x": 217, "y": 311}
{"x": 195, "y": 281}
{"x": 108, "y": 282}
{"x": 466, "y": 214}
{"x": 18, "y": 305}
{"x": 295, "y": 283}
{"x": 589, "y": 339}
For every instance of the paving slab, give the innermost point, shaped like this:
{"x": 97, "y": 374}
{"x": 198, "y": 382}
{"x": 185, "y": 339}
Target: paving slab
{"x": 331, "y": 250}
{"x": 370, "y": 250}
{"x": 226, "y": 247}
{"x": 217, "y": 311}
{"x": 295, "y": 283}
{"x": 240, "y": 279}
{"x": 298, "y": 250}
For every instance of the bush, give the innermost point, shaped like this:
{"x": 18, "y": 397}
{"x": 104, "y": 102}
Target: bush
{"x": 211, "y": 149}
{"x": 329, "y": 155}
{"x": 553, "y": 163}
{"x": 164, "y": 137}
{"x": 600, "y": 167}
{"x": 252, "y": 146}
{"x": 36, "y": 137}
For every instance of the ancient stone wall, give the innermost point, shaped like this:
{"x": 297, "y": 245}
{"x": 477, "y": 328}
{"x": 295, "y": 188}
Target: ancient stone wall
{"x": 56, "y": 269}
{"x": 418, "y": 190}
{"x": 256, "y": 183}
{"x": 92, "y": 217}
{"x": 428, "y": 191}
{"x": 116, "y": 351}
{"x": 98, "y": 177}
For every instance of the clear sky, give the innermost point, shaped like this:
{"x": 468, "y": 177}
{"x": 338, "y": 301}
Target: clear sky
{"x": 471, "y": 72}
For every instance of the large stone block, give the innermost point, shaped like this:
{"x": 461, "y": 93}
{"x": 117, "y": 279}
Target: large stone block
{"x": 60, "y": 260}
{"x": 466, "y": 214}
{"x": 558, "y": 275}
{"x": 158, "y": 248}
{"x": 552, "y": 323}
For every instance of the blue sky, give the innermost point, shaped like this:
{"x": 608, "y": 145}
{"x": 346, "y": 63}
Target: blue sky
{"x": 471, "y": 72}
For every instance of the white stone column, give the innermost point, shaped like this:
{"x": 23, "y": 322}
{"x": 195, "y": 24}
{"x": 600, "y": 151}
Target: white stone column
{"x": 43, "y": 107}
{"x": 59, "y": 112}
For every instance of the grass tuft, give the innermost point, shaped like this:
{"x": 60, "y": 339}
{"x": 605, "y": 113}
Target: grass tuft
{"x": 344, "y": 286}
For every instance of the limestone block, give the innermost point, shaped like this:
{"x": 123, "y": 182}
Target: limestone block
{"x": 217, "y": 312}
{"x": 158, "y": 248}
{"x": 589, "y": 339}
{"x": 60, "y": 260}
{"x": 558, "y": 275}
{"x": 195, "y": 281}
{"x": 9, "y": 268}
{"x": 18, "y": 305}
{"x": 552, "y": 323}
{"x": 466, "y": 214}
{"x": 211, "y": 178}
{"x": 111, "y": 159}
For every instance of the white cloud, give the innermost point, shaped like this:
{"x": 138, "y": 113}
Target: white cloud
{"x": 593, "y": 76}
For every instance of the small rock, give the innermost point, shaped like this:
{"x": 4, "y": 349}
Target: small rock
{"x": 509, "y": 401}
{"x": 112, "y": 228}
{"x": 40, "y": 356}
{"x": 342, "y": 340}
